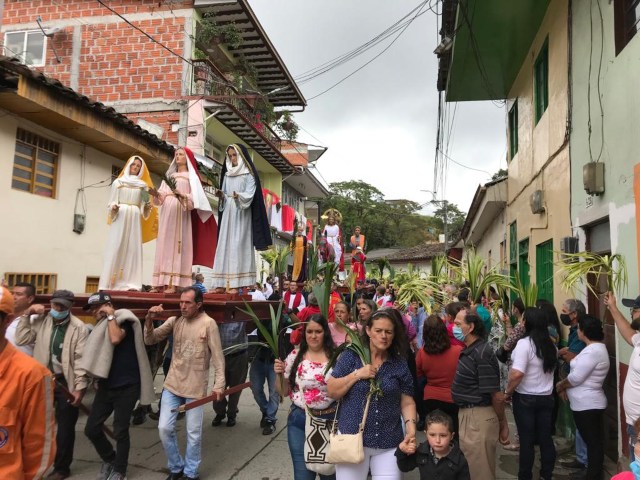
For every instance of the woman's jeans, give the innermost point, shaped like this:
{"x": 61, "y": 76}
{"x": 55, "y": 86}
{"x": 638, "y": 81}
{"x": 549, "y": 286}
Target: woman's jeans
{"x": 295, "y": 436}
{"x": 533, "y": 419}
{"x": 590, "y": 424}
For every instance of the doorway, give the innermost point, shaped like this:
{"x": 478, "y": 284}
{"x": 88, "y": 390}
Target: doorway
{"x": 599, "y": 241}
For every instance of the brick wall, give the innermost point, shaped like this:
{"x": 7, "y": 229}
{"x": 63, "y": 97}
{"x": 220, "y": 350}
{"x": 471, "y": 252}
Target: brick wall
{"x": 164, "y": 119}
{"x": 117, "y": 63}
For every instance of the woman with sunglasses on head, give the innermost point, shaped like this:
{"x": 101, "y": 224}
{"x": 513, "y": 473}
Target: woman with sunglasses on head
{"x": 390, "y": 395}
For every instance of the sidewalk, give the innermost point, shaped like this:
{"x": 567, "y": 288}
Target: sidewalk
{"x": 243, "y": 453}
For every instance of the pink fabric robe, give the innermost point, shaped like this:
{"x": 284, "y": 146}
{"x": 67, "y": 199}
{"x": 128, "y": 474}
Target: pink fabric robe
{"x": 174, "y": 246}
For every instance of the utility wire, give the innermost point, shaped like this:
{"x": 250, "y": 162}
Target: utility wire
{"x": 374, "y": 58}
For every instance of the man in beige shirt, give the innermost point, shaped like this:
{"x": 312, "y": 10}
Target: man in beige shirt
{"x": 196, "y": 344}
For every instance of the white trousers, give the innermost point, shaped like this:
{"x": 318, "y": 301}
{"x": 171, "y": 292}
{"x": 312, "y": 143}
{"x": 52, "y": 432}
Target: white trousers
{"x": 382, "y": 463}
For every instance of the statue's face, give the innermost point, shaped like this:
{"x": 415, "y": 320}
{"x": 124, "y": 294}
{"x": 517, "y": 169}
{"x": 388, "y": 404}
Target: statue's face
{"x": 135, "y": 167}
{"x": 181, "y": 157}
{"x": 357, "y": 230}
{"x": 331, "y": 220}
{"x": 301, "y": 228}
{"x": 233, "y": 156}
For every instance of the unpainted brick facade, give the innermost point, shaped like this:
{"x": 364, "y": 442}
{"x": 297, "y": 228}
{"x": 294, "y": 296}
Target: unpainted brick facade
{"x": 116, "y": 63}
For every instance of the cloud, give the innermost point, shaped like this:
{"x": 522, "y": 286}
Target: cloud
{"x": 380, "y": 124}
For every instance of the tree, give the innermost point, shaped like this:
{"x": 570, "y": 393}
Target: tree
{"x": 385, "y": 223}
{"x": 453, "y": 216}
{"x": 499, "y": 174}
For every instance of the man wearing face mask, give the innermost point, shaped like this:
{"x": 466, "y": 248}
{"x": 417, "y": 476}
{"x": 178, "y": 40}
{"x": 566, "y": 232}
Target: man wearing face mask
{"x": 572, "y": 310}
{"x": 59, "y": 339}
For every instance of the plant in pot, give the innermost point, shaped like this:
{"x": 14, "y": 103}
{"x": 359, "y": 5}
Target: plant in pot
{"x": 288, "y": 127}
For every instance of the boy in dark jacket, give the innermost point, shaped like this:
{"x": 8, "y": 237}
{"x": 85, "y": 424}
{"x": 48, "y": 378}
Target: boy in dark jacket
{"x": 440, "y": 458}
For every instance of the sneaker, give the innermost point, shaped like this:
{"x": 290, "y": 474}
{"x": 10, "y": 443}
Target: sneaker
{"x": 217, "y": 421}
{"x": 117, "y": 476}
{"x": 269, "y": 428}
{"x": 263, "y": 422}
{"x": 139, "y": 416}
{"x": 175, "y": 476}
{"x": 105, "y": 471}
{"x": 154, "y": 415}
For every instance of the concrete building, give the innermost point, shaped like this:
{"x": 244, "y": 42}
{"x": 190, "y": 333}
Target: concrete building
{"x": 485, "y": 227}
{"x": 604, "y": 135}
{"x": 61, "y": 151}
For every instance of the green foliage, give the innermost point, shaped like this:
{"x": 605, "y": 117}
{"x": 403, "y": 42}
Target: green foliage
{"x": 322, "y": 290}
{"x": 528, "y": 294}
{"x": 199, "y": 54}
{"x": 475, "y": 270}
{"x": 276, "y": 257}
{"x": 440, "y": 269}
{"x": 210, "y": 174}
{"x": 499, "y": 174}
{"x": 586, "y": 267}
{"x": 287, "y": 127}
{"x": 208, "y": 30}
{"x": 453, "y": 216}
{"x": 271, "y": 337}
{"x": 385, "y": 223}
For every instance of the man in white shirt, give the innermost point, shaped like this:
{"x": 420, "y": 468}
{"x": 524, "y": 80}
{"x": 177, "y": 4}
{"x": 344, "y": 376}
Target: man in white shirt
{"x": 24, "y": 294}
{"x": 256, "y": 293}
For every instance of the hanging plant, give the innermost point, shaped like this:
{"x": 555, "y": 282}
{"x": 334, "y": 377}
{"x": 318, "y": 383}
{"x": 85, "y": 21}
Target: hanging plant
{"x": 208, "y": 30}
{"x": 287, "y": 126}
{"x": 576, "y": 268}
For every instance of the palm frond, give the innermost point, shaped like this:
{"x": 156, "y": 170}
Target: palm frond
{"x": 271, "y": 336}
{"x": 528, "y": 294}
{"x": 474, "y": 269}
{"x": 577, "y": 268}
{"x": 417, "y": 289}
{"x": 322, "y": 290}
{"x": 171, "y": 182}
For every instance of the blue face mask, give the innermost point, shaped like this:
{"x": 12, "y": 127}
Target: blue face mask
{"x": 56, "y": 315}
{"x": 457, "y": 333}
{"x": 635, "y": 468}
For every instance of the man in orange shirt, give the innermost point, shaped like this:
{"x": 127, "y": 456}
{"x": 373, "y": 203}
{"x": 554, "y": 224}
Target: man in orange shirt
{"x": 27, "y": 420}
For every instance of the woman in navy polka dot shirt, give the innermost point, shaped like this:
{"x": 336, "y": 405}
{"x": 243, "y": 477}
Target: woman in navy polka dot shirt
{"x": 392, "y": 406}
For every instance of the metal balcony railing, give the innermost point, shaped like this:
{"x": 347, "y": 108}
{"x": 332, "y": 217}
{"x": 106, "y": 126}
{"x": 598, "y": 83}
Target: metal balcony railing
{"x": 208, "y": 80}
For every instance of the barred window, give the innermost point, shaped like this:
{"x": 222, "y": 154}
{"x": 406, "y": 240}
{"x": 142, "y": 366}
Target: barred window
{"x": 45, "y": 283}
{"x": 35, "y": 164}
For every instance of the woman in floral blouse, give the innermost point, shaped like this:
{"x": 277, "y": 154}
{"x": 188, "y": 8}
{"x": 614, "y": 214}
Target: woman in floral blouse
{"x": 304, "y": 367}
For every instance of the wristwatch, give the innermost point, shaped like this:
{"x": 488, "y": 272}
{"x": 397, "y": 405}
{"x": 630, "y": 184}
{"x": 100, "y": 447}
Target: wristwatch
{"x": 111, "y": 317}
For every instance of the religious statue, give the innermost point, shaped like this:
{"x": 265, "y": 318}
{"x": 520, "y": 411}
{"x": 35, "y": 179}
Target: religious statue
{"x": 187, "y": 231}
{"x": 242, "y": 220}
{"x": 333, "y": 237}
{"x": 133, "y": 221}
{"x": 357, "y": 264}
{"x": 299, "y": 247}
{"x": 357, "y": 240}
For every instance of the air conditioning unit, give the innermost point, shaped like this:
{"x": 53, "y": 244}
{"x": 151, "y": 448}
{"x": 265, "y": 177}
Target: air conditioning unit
{"x": 569, "y": 245}
{"x": 536, "y": 202}
{"x": 593, "y": 178}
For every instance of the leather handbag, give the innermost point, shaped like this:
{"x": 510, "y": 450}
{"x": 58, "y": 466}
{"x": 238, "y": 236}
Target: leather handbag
{"x": 348, "y": 448}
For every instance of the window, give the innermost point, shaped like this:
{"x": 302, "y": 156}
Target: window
{"x": 541, "y": 81}
{"x": 544, "y": 270}
{"x": 513, "y": 130}
{"x": 45, "y": 283}
{"x": 30, "y": 47}
{"x": 626, "y": 14}
{"x": 35, "y": 164}
{"x": 91, "y": 284}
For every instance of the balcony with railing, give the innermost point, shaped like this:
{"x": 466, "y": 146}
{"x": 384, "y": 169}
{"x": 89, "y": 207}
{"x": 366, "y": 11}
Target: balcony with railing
{"x": 209, "y": 82}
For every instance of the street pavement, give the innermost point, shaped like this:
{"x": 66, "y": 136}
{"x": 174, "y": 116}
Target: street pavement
{"x": 240, "y": 452}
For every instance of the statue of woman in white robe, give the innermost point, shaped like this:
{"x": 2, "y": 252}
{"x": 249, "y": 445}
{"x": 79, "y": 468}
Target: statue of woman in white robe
{"x": 235, "y": 263}
{"x": 132, "y": 220}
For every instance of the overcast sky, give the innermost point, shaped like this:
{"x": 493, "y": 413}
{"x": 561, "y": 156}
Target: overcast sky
{"x": 380, "y": 124}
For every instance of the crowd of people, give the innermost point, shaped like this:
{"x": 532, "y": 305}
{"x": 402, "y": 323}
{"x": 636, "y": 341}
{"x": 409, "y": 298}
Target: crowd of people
{"x": 445, "y": 381}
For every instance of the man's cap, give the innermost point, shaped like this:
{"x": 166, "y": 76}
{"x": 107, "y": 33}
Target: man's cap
{"x": 63, "y": 297}
{"x": 631, "y": 303}
{"x": 6, "y": 301}
{"x": 96, "y": 299}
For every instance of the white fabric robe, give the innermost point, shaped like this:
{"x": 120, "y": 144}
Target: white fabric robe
{"x": 122, "y": 268}
{"x": 332, "y": 233}
{"x": 235, "y": 263}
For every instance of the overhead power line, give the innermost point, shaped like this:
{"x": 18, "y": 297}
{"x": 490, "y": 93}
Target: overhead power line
{"x": 374, "y": 58}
